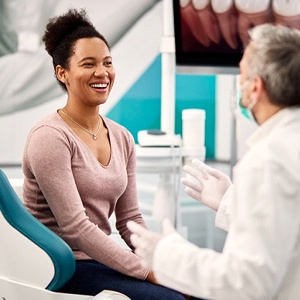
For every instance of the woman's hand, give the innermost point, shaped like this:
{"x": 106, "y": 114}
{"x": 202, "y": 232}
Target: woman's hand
{"x": 150, "y": 277}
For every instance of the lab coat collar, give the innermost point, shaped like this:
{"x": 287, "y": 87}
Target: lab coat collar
{"x": 276, "y": 121}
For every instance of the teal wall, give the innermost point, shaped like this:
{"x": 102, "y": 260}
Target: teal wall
{"x": 139, "y": 109}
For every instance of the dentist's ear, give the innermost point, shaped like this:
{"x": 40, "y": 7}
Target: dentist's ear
{"x": 258, "y": 87}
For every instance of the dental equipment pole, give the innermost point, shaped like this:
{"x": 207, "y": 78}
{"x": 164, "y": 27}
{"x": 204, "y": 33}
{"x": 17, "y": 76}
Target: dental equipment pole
{"x": 165, "y": 202}
{"x": 168, "y": 70}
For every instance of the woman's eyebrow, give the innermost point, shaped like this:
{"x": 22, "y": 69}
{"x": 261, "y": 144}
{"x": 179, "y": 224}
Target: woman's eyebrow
{"x": 87, "y": 58}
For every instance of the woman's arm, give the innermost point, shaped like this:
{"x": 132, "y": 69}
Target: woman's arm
{"x": 48, "y": 154}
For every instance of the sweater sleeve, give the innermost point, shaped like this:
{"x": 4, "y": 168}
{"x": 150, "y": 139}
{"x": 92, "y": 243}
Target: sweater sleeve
{"x": 48, "y": 155}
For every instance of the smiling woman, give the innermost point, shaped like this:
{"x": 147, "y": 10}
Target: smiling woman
{"x": 89, "y": 172}
{"x": 88, "y": 78}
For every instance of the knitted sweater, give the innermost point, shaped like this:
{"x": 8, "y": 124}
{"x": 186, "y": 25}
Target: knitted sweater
{"x": 73, "y": 194}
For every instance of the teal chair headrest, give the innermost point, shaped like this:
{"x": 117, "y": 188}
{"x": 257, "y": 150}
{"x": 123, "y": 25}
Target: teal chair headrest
{"x": 15, "y": 213}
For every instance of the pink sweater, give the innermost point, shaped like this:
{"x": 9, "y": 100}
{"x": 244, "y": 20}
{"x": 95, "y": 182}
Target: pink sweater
{"x": 69, "y": 191}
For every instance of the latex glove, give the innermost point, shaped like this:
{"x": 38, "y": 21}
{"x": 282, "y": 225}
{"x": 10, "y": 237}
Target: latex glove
{"x": 145, "y": 241}
{"x": 205, "y": 184}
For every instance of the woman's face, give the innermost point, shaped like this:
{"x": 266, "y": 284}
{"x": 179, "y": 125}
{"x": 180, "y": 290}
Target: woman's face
{"x": 91, "y": 74}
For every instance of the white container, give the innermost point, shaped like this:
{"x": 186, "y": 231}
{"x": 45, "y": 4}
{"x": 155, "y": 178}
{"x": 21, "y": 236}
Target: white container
{"x": 193, "y": 128}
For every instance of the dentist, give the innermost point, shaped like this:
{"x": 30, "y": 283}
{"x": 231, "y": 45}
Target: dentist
{"x": 261, "y": 210}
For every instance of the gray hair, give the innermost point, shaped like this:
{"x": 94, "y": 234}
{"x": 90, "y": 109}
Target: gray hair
{"x": 274, "y": 55}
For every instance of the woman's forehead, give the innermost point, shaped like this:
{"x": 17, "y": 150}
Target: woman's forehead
{"x": 94, "y": 47}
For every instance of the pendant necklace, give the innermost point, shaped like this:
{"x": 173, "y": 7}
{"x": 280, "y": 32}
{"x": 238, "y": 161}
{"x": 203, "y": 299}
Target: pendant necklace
{"x": 94, "y": 135}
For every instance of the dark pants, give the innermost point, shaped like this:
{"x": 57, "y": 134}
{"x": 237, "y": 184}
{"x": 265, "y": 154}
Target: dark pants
{"x": 91, "y": 277}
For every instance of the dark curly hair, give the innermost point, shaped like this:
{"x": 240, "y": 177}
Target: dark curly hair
{"x": 61, "y": 34}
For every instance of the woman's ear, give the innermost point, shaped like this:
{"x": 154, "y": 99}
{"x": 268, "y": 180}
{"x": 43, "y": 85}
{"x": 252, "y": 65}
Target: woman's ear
{"x": 61, "y": 74}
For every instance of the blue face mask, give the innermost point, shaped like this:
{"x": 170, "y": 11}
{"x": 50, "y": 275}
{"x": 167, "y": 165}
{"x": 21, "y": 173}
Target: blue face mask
{"x": 245, "y": 111}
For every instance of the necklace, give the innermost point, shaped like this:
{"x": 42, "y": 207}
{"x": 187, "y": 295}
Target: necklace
{"x": 94, "y": 135}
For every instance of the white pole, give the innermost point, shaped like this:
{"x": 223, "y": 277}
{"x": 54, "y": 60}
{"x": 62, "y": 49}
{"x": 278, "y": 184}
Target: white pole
{"x": 168, "y": 70}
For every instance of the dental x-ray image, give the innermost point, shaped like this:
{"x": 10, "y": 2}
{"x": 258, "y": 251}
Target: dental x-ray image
{"x": 213, "y": 32}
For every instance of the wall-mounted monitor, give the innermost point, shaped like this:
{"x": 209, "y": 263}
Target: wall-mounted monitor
{"x": 210, "y": 34}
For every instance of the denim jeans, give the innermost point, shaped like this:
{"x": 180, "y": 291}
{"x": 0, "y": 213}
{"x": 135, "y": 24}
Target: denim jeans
{"x": 91, "y": 277}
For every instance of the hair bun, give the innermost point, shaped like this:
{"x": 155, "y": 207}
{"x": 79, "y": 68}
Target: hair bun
{"x": 60, "y": 27}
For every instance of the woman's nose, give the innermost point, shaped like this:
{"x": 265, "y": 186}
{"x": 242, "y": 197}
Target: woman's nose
{"x": 100, "y": 71}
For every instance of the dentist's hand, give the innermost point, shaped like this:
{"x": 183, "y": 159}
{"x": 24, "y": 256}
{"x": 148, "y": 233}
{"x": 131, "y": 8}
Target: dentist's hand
{"x": 145, "y": 241}
{"x": 205, "y": 184}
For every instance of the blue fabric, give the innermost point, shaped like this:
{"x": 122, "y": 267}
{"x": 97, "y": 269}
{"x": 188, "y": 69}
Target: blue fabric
{"x": 91, "y": 277}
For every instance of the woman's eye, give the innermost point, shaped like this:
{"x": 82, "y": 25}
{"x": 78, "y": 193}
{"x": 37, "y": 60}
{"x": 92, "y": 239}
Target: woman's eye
{"x": 108, "y": 63}
{"x": 88, "y": 64}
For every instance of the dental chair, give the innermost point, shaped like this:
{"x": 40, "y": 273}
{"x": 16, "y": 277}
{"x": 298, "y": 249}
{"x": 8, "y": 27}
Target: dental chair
{"x": 34, "y": 262}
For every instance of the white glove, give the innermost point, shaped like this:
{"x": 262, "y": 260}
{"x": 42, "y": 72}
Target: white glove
{"x": 145, "y": 241}
{"x": 206, "y": 184}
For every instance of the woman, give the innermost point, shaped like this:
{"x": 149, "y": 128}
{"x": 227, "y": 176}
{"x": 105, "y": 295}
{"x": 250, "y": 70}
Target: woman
{"x": 79, "y": 167}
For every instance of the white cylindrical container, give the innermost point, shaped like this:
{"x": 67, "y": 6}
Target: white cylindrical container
{"x": 193, "y": 128}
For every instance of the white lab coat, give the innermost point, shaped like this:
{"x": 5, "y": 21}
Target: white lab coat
{"x": 261, "y": 255}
